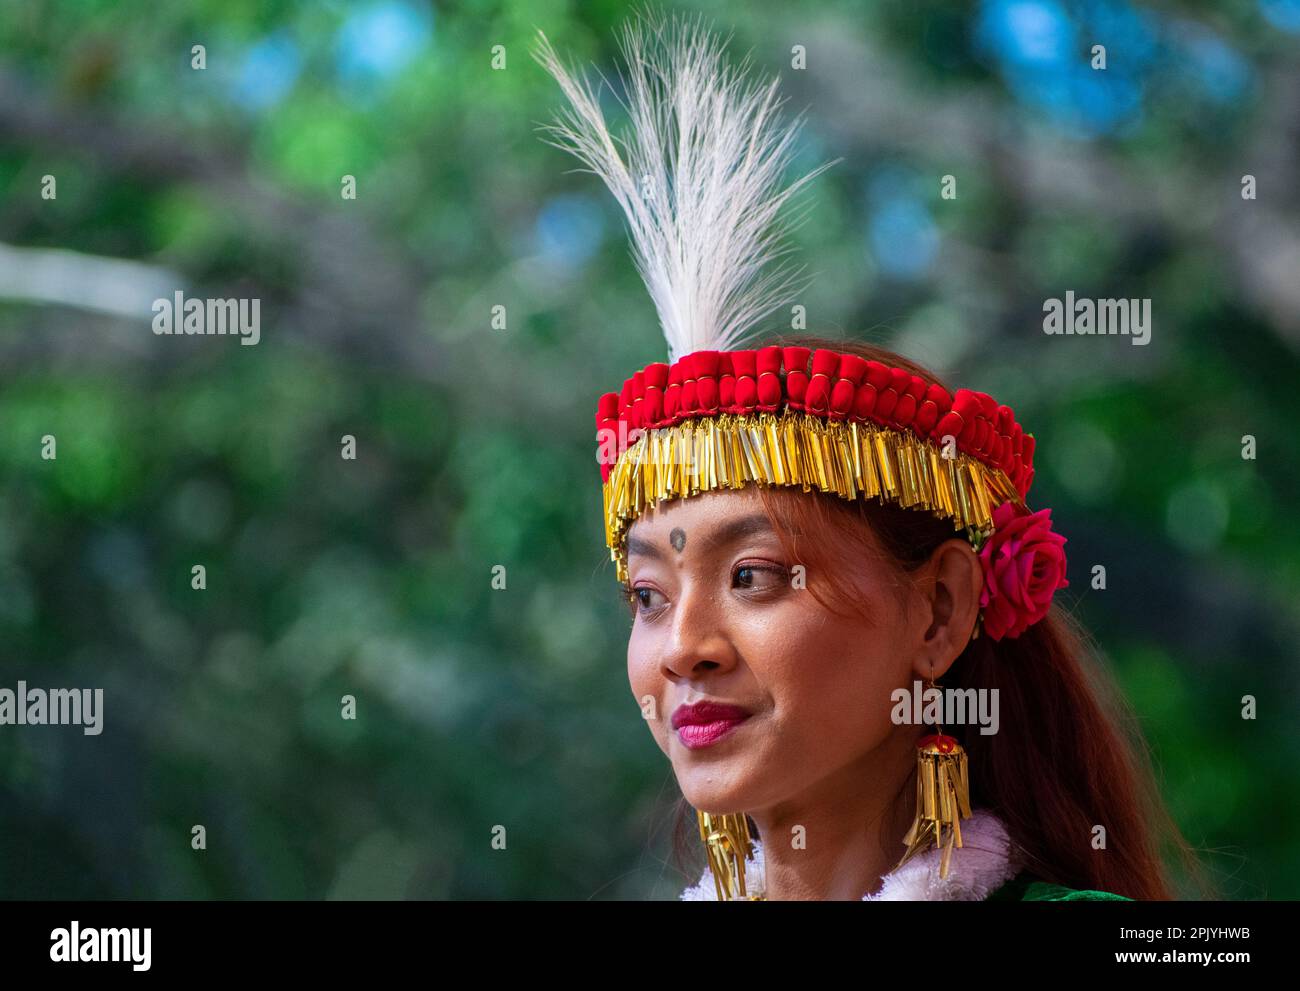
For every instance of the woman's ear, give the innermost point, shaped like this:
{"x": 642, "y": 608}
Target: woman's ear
{"x": 951, "y": 583}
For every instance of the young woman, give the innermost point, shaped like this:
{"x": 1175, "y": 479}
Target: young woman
{"x": 776, "y": 697}
{"x": 844, "y": 637}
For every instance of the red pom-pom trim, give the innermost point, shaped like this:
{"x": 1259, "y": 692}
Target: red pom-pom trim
{"x": 835, "y": 385}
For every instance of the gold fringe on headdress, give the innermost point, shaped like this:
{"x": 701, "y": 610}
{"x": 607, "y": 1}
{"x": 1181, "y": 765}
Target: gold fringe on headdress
{"x": 851, "y": 459}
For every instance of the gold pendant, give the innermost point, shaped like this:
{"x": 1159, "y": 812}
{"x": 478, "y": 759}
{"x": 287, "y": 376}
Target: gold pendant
{"x": 942, "y": 799}
{"x": 728, "y": 845}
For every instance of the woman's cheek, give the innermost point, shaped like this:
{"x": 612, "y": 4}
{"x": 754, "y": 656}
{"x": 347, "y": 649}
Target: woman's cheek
{"x": 825, "y": 666}
{"x": 774, "y": 634}
{"x": 646, "y": 689}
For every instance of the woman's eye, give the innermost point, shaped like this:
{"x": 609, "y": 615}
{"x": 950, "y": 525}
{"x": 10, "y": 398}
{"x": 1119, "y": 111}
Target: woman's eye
{"x": 643, "y": 597}
{"x": 751, "y": 576}
{"x": 755, "y": 578}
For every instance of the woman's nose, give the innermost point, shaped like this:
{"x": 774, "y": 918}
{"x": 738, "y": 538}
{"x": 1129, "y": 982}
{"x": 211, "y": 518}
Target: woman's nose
{"x": 699, "y": 640}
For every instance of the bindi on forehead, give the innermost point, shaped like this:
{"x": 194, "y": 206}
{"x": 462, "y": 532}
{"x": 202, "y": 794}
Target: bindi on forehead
{"x": 733, "y": 530}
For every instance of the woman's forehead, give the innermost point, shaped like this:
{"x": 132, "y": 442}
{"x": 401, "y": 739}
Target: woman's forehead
{"x": 706, "y": 510}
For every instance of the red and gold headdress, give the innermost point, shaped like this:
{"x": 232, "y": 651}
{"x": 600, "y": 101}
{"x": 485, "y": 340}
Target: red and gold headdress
{"x": 699, "y": 180}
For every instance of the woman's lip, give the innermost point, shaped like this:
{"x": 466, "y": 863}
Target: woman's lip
{"x": 697, "y": 735}
{"x": 707, "y": 712}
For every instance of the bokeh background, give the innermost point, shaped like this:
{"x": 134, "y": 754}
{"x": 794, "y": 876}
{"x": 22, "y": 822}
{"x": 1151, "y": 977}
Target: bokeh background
{"x": 480, "y": 707}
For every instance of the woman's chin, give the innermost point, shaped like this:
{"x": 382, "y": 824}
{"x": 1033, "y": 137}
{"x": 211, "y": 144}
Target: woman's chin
{"x": 714, "y": 793}
{"x": 720, "y": 777}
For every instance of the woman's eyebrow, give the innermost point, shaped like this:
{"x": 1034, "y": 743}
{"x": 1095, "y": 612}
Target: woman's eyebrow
{"x": 732, "y": 530}
{"x": 635, "y": 546}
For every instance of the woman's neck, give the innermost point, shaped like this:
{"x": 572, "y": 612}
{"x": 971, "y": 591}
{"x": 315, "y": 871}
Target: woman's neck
{"x": 852, "y": 822}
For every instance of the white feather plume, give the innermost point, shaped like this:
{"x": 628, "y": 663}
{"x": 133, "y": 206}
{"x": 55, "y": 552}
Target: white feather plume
{"x": 699, "y": 178}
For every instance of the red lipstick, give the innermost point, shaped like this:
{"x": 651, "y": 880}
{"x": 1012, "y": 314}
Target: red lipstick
{"x": 705, "y": 723}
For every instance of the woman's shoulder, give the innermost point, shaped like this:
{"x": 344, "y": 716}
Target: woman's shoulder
{"x": 1025, "y": 887}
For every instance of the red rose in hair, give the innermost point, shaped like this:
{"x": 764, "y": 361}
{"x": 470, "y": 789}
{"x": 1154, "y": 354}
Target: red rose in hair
{"x": 1024, "y": 565}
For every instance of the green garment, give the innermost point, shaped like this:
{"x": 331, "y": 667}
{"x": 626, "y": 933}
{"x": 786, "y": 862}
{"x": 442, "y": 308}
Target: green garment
{"x": 1024, "y": 887}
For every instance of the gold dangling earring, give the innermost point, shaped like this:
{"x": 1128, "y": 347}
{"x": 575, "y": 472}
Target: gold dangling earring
{"x": 942, "y": 797}
{"x": 728, "y": 844}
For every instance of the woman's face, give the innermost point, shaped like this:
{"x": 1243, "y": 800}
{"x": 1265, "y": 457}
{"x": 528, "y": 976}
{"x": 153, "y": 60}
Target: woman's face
{"x": 719, "y": 617}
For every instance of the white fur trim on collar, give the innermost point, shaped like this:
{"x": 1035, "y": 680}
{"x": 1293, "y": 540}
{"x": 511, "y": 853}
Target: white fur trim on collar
{"x": 983, "y": 864}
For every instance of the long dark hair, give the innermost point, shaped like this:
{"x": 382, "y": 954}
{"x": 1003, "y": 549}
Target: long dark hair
{"x": 1070, "y": 756}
